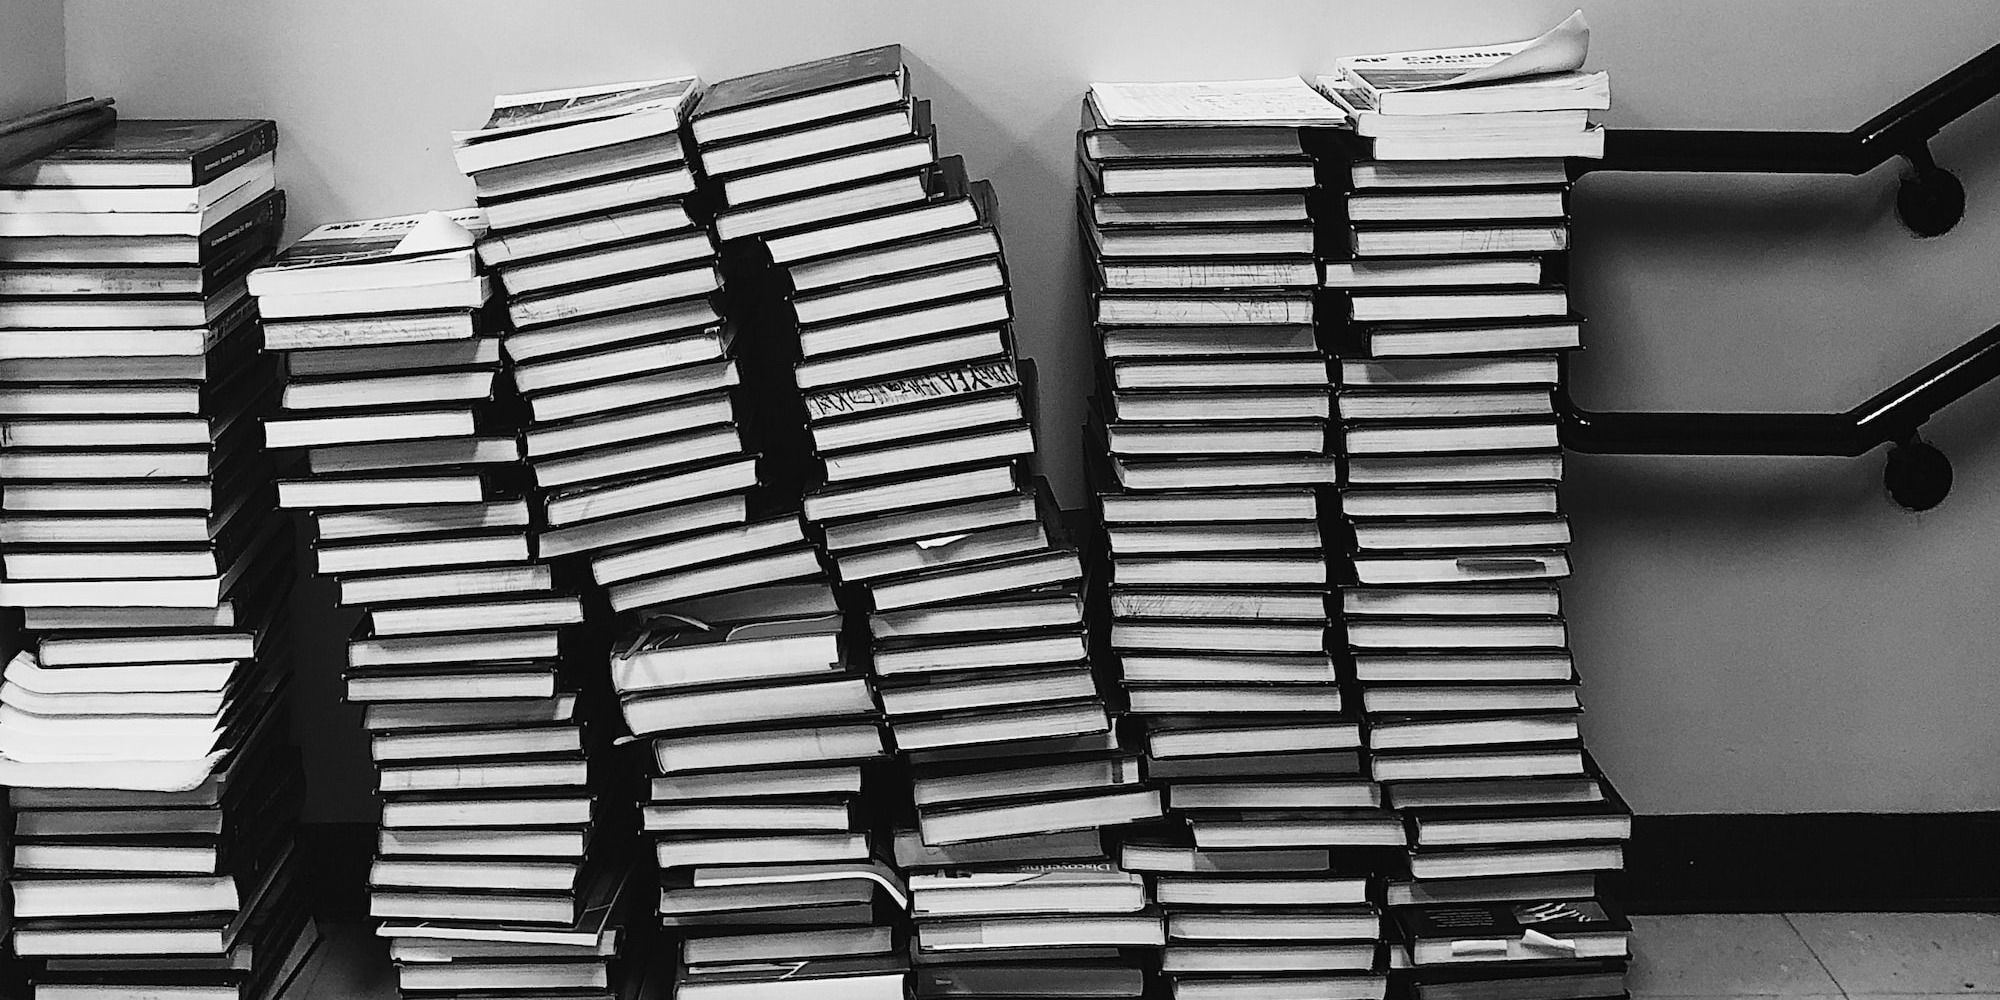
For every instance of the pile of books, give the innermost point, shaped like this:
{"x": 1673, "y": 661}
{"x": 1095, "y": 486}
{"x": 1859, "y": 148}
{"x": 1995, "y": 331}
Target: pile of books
{"x": 762, "y": 738}
{"x": 730, "y": 671}
{"x": 143, "y": 728}
{"x": 1527, "y": 100}
{"x": 401, "y": 432}
{"x": 618, "y": 344}
{"x": 879, "y": 272}
{"x": 1447, "y": 272}
{"x": 1211, "y": 461}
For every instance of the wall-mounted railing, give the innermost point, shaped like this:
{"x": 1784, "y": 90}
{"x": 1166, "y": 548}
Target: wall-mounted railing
{"x": 1930, "y": 202}
{"x": 1931, "y": 199}
{"x": 1918, "y": 475}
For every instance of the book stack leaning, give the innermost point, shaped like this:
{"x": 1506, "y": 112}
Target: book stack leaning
{"x": 399, "y": 430}
{"x": 730, "y": 674}
{"x": 1210, "y": 463}
{"x": 1446, "y": 263}
{"x": 880, "y": 279}
{"x": 143, "y": 729}
{"x": 617, "y": 339}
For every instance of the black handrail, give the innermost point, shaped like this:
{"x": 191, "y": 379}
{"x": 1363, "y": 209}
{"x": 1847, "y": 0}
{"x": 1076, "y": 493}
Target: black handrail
{"x": 1931, "y": 200}
{"x": 1893, "y": 416}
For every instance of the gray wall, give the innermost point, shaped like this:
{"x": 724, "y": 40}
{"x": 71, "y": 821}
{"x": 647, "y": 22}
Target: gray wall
{"x": 31, "y": 55}
{"x": 31, "y": 76}
{"x": 1754, "y": 635}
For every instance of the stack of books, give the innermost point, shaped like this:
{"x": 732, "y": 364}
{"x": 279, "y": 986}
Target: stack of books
{"x": 761, "y": 738}
{"x": 1446, "y": 271}
{"x": 402, "y": 433}
{"x": 1211, "y": 461}
{"x": 142, "y": 729}
{"x": 995, "y": 925}
{"x": 624, "y": 342}
{"x": 1528, "y": 100}
{"x": 617, "y": 342}
{"x": 880, "y": 275}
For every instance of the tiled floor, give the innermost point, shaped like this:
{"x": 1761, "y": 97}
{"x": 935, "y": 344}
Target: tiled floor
{"x": 1821, "y": 956}
{"x": 1800, "y": 956}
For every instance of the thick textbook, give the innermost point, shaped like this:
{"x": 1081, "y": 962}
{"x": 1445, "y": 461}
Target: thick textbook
{"x": 804, "y": 92}
{"x": 150, "y": 152}
{"x": 196, "y": 199}
{"x": 538, "y": 125}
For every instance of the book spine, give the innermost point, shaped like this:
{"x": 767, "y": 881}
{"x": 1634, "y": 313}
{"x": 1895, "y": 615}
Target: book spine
{"x": 248, "y": 145}
{"x": 258, "y": 222}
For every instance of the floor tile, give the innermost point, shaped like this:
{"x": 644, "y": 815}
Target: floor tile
{"x": 1723, "y": 955}
{"x": 1948, "y": 954}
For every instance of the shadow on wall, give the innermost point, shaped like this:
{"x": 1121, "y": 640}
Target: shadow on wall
{"x": 1041, "y": 249}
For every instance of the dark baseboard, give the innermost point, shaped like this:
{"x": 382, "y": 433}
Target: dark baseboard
{"x": 1733, "y": 863}
{"x": 1722, "y": 863}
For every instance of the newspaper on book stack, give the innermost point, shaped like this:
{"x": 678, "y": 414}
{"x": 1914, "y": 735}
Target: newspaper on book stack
{"x": 1528, "y": 99}
{"x": 1444, "y": 263}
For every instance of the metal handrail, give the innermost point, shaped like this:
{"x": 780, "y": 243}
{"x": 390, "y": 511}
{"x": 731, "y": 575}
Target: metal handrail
{"x": 1917, "y": 472}
{"x": 1931, "y": 200}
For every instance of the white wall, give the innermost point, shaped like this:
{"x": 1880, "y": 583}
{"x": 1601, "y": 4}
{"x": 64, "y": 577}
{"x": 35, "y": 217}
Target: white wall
{"x": 1755, "y": 635}
{"x": 31, "y": 55}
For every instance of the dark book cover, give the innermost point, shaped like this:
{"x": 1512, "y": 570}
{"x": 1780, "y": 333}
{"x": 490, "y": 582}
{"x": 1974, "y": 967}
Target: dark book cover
{"x": 798, "y": 80}
{"x": 228, "y": 250}
{"x": 252, "y": 230}
{"x": 210, "y": 147}
{"x": 1554, "y": 918}
{"x": 273, "y": 932}
{"x": 1577, "y": 979}
{"x": 1610, "y": 807}
{"x": 1029, "y": 979}
{"x": 252, "y": 820}
{"x": 1327, "y": 763}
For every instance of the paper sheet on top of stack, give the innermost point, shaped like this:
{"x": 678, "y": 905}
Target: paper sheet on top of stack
{"x": 1530, "y": 98}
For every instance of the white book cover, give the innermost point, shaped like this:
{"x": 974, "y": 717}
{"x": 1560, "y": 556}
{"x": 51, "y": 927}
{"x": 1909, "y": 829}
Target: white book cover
{"x": 1285, "y": 101}
{"x": 514, "y": 113}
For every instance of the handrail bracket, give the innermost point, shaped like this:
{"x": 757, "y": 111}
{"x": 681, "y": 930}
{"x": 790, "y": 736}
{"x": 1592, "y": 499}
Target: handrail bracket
{"x": 1931, "y": 199}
